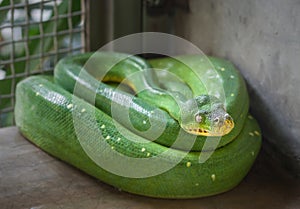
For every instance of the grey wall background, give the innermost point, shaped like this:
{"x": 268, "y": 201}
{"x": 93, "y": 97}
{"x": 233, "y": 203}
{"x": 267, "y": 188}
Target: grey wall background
{"x": 262, "y": 38}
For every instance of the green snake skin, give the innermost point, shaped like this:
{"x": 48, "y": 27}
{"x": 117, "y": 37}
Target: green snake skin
{"x": 64, "y": 122}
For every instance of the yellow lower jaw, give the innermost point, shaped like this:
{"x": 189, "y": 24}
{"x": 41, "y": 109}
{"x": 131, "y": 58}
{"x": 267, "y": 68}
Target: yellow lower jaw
{"x": 206, "y": 133}
{"x": 202, "y": 132}
{"x": 221, "y": 131}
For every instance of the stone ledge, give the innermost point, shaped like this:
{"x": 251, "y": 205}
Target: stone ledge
{"x": 31, "y": 178}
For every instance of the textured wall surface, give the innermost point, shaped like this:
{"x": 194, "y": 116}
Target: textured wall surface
{"x": 262, "y": 38}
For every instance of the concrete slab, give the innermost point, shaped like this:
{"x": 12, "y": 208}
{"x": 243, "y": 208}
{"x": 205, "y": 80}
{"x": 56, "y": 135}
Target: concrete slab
{"x": 30, "y": 178}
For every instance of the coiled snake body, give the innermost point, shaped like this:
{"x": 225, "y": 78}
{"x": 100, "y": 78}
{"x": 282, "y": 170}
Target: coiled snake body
{"x": 90, "y": 124}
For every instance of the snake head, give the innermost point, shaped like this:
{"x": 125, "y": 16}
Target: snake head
{"x": 205, "y": 115}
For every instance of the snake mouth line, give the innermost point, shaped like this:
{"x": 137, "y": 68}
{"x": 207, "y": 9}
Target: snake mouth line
{"x": 199, "y": 131}
{"x": 204, "y": 132}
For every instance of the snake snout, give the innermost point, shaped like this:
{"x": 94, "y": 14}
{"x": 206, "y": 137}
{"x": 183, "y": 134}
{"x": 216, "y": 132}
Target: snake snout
{"x": 228, "y": 120}
{"x": 222, "y": 124}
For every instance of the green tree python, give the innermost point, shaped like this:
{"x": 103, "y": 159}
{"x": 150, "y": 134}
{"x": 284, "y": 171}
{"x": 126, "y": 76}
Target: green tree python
{"x": 76, "y": 116}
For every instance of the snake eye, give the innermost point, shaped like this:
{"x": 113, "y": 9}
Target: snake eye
{"x": 216, "y": 120}
{"x": 227, "y": 116}
{"x": 198, "y": 118}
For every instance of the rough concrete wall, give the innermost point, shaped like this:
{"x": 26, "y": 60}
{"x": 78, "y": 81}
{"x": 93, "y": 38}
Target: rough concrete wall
{"x": 262, "y": 38}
